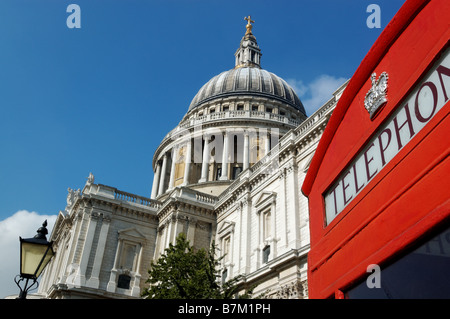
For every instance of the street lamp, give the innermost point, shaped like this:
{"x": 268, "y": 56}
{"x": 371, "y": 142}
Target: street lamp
{"x": 35, "y": 253}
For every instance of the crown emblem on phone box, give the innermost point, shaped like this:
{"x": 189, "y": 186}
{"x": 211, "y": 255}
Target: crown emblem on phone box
{"x": 376, "y": 96}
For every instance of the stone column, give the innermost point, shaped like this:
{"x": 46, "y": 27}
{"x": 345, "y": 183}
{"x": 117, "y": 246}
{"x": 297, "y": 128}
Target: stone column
{"x": 172, "y": 168}
{"x": 69, "y": 253}
{"x": 178, "y": 221}
{"x": 267, "y": 143}
{"x": 225, "y": 155}
{"x": 94, "y": 281}
{"x": 231, "y": 252}
{"x": 163, "y": 175}
{"x": 187, "y": 166}
{"x": 135, "y": 289}
{"x": 192, "y": 221}
{"x": 292, "y": 191}
{"x": 156, "y": 181}
{"x": 80, "y": 222}
{"x": 112, "y": 278}
{"x": 159, "y": 239}
{"x": 205, "y": 164}
{"x": 282, "y": 201}
{"x": 260, "y": 238}
{"x": 246, "y": 230}
{"x": 246, "y": 151}
{"x": 273, "y": 228}
{"x": 169, "y": 229}
{"x": 80, "y": 278}
{"x": 239, "y": 241}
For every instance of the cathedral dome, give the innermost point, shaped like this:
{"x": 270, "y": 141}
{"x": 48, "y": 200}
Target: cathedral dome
{"x": 247, "y": 78}
{"x": 233, "y": 121}
{"x": 247, "y": 81}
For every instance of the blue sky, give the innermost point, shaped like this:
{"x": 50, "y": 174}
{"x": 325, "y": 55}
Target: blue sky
{"x": 101, "y": 98}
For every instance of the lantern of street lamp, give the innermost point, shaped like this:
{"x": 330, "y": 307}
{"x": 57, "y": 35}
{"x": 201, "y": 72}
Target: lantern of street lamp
{"x": 35, "y": 253}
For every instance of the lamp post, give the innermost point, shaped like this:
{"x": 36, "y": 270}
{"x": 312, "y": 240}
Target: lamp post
{"x": 35, "y": 253}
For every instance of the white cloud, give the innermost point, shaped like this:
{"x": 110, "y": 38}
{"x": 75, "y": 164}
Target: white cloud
{"x": 299, "y": 87}
{"x": 24, "y": 224}
{"x": 313, "y": 95}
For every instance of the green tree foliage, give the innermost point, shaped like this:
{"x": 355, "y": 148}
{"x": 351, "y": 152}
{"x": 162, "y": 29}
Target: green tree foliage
{"x": 185, "y": 273}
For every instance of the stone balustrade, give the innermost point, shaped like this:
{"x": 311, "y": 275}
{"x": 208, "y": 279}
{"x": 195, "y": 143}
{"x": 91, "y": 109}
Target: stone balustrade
{"x": 232, "y": 115}
{"x": 131, "y": 198}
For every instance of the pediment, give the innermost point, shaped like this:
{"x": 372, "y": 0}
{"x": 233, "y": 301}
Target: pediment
{"x": 226, "y": 227}
{"x": 264, "y": 198}
{"x": 131, "y": 233}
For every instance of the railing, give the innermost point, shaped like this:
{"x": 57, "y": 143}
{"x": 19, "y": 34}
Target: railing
{"x": 315, "y": 117}
{"x": 232, "y": 115}
{"x": 205, "y": 198}
{"x": 131, "y": 198}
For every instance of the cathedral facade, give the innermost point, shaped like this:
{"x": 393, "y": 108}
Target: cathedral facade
{"x": 230, "y": 173}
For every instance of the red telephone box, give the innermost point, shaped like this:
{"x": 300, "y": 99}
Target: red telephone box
{"x": 379, "y": 183}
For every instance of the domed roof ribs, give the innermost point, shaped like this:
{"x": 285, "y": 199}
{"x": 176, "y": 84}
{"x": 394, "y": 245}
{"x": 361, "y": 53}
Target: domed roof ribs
{"x": 288, "y": 92}
{"x": 249, "y": 80}
{"x": 218, "y": 87}
{"x": 236, "y": 80}
{"x": 224, "y": 82}
{"x": 272, "y": 84}
{"x": 281, "y": 87}
{"x": 209, "y": 89}
{"x": 256, "y": 80}
{"x": 229, "y": 82}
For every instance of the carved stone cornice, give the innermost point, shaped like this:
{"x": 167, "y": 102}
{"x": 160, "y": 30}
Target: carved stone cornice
{"x": 294, "y": 290}
{"x": 94, "y": 215}
{"x": 202, "y": 225}
{"x": 246, "y": 201}
{"x": 108, "y": 207}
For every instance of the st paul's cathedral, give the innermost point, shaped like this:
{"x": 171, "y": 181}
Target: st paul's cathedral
{"x": 230, "y": 172}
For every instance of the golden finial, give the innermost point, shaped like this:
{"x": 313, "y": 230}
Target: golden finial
{"x": 249, "y": 26}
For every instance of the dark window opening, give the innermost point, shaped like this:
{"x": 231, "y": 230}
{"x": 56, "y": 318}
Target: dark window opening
{"x": 266, "y": 253}
{"x": 235, "y": 150}
{"x": 218, "y": 173}
{"x": 124, "y": 282}
{"x": 236, "y": 171}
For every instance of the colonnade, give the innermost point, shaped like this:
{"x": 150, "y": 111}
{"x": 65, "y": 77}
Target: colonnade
{"x": 222, "y": 148}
